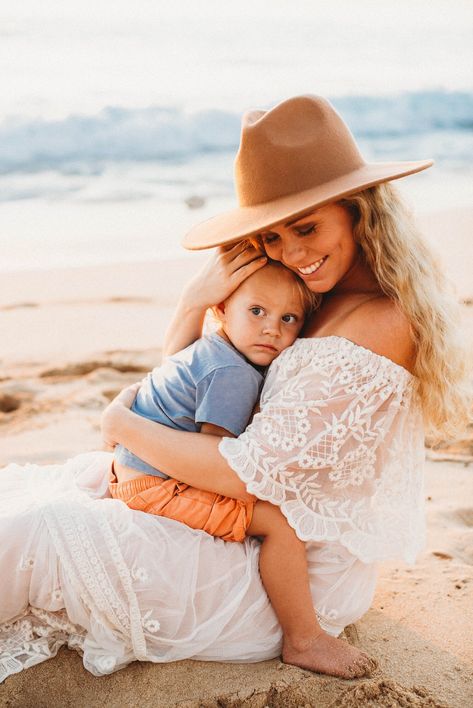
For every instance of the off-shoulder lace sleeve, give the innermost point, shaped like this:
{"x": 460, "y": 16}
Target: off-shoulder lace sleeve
{"x": 338, "y": 445}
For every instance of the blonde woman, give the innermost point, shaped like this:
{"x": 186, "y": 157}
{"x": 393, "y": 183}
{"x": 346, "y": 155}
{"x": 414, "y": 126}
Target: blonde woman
{"x": 337, "y": 443}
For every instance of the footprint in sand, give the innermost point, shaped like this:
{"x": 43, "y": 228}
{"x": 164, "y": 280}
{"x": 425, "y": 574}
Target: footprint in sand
{"x": 441, "y": 555}
{"x": 9, "y": 403}
{"x": 124, "y": 299}
{"x": 19, "y": 305}
{"x": 14, "y": 395}
{"x": 386, "y": 692}
{"x": 464, "y": 516}
{"x": 460, "y": 545}
{"x": 82, "y": 368}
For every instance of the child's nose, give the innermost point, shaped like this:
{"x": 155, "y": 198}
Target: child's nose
{"x": 272, "y": 328}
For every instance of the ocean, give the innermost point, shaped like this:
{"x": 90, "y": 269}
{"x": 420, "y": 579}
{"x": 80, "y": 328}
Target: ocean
{"x": 119, "y": 121}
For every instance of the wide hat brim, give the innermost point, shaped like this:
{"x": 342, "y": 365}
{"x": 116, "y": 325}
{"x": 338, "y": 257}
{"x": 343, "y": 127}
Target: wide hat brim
{"x": 243, "y": 222}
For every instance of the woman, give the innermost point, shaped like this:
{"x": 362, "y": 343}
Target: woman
{"x": 338, "y": 443}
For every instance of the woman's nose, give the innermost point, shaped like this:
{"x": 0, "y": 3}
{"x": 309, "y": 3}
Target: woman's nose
{"x": 293, "y": 252}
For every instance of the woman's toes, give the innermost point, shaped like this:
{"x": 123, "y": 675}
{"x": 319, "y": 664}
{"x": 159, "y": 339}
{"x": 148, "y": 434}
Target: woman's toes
{"x": 360, "y": 668}
{"x": 371, "y": 664}
{"x": 368, "y": 665}
{"x": 355, "y": 670}
{"x": 374, "y": 664}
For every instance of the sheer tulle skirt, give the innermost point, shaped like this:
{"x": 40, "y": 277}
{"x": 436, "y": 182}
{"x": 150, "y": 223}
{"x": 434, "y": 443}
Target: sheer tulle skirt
{"x": 82, "y": 570}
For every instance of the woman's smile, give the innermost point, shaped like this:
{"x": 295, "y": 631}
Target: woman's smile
{"x": 312, "y": 268}
{"x": 323, "y": 237}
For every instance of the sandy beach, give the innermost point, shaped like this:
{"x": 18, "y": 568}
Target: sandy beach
{"x": 71, "y": 339}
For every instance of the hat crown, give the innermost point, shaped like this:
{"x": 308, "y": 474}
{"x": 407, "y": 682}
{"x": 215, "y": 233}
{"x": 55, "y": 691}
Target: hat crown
{"x": 300, "y": 144}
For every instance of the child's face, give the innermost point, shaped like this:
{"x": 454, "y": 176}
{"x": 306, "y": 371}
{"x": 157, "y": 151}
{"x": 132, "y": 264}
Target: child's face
{"x": 264, "y": 315}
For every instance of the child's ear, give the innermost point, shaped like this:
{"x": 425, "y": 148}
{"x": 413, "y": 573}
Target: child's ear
{"x": 219, "y": 311}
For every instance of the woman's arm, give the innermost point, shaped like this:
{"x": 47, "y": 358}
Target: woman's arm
{"x": 192, "y": 458}
{"x": 227, "y": 268}
{"x": 186, "y": 324}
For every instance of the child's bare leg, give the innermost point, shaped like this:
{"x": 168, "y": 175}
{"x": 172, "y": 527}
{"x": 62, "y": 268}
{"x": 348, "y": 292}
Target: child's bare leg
{"x": 283, "y": 568}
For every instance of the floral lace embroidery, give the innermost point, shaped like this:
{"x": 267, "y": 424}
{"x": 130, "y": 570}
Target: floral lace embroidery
{"x": 35, "y": 636}
{"x": 26, "y": 563}
{"x": 338, "y": 445}
{"x": 139, "y": 573}
{"x": 85, "y": 543}
{"x": 85, "y": 565}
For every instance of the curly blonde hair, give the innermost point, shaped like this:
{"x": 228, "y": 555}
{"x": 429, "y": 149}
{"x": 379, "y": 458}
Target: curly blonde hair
{"x": 408, "y": 274}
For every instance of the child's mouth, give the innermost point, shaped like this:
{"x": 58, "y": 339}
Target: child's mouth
{"x": 269, "y": 347}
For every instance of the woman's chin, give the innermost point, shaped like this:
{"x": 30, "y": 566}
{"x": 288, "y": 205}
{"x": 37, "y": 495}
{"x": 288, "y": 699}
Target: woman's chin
{"x": 320, "y": 286}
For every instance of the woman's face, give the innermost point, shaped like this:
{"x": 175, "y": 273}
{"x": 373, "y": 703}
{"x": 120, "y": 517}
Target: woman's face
{"x": 319, "y": 246}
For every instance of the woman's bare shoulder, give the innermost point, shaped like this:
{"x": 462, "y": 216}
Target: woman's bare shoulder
{"x": 381, "y": 326}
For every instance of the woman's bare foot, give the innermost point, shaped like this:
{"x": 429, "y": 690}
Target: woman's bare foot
{"x": 328, "y": 655}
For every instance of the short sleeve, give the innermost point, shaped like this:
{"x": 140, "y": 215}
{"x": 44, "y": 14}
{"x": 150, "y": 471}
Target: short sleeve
{"x": 338, "y": 445}
{"x": 226, "y": 397}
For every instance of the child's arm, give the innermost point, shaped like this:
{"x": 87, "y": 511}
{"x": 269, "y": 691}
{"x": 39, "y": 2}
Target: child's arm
{"x": 222, "y": 274}
{"x": 211, "y": 429}
{"x": 192, "y": 458}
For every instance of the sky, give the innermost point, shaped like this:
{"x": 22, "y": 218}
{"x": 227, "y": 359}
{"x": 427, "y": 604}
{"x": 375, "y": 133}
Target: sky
{"x": 59, "y": 57}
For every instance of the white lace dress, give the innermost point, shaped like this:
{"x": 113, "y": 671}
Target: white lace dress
{"x": 338, "y": 445}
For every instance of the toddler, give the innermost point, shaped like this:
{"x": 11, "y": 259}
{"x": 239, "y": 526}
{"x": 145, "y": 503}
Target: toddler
{"x": 212, "y": 386}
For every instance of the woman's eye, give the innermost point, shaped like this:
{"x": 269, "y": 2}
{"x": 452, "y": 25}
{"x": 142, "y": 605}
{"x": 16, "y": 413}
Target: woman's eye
{"x": 270, "y": 238}
{"x": 289, "y": 319}
{"x": 258, "y": 311}
{"x": 307, "y": 230}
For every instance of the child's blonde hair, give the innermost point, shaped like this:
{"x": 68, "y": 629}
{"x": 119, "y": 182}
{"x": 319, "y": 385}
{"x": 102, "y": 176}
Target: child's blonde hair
{"x": 309, "y": 300}
{"x": 410, "y": 276}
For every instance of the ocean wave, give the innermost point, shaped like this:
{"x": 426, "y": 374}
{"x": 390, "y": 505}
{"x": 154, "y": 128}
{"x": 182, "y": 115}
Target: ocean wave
{"x": 85, "y": 144}
{"x": 407, "y": 113}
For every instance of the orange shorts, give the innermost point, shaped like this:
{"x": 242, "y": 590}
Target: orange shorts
{"x": 219, "y": 516}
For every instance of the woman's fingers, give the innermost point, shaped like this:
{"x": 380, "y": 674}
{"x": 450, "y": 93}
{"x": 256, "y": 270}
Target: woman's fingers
{"x": 248, "y": 268}
{"x": 234, "y": 247}
{"x": 241, "y": 248}
{"x": 240, "y": 256}
{"x": 225, "y": 270}
{"x": 237, "y": 262}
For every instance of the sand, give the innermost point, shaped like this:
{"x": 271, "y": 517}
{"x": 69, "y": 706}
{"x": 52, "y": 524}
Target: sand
{"x": 70, "y": 339}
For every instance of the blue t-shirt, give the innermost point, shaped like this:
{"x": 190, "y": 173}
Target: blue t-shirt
{"x": 208, "y": 382}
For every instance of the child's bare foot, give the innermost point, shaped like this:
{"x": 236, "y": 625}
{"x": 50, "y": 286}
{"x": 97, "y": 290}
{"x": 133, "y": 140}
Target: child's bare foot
{"x": 328, "y": 655}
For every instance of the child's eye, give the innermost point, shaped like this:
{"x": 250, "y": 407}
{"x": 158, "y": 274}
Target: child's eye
{"x": 258, "y": 311}
{"x": 289, "y": 319}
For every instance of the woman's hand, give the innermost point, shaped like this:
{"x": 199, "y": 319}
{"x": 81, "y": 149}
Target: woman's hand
{"x": 114, "y": 412}
{"x": 225, "y": 270}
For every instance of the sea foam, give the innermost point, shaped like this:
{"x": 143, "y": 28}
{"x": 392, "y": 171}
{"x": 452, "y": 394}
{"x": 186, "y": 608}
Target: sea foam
{"x": 85, "y": 143}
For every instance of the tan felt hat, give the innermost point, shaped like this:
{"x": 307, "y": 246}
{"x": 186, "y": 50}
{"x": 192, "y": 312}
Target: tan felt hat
{"x": 293, "y": 158}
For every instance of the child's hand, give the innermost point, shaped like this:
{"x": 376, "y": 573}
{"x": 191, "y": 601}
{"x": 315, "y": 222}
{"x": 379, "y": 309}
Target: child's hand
{"x": 112, "y": 413}
{"x": 126, "y": 396}
{"x": 225, "y": 270}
